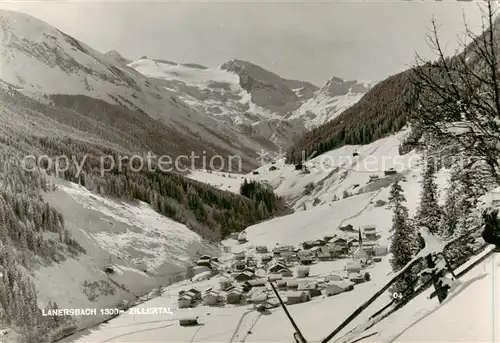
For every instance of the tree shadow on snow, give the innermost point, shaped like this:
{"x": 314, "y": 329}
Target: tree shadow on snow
{"x": 451, "y": 295}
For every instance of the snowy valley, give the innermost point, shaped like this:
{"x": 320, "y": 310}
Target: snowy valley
{"x": 192, "y": 255}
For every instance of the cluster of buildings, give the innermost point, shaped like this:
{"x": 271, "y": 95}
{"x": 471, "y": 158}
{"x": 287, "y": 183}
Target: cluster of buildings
{"x": 347, "y": 245}
{"x": 287, "y": 267}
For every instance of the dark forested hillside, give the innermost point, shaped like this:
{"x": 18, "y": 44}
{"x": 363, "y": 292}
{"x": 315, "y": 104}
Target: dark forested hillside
{"x": 381, "y": 111}
{"x": 210, "y": 212}
{"x": 33, "y": 233}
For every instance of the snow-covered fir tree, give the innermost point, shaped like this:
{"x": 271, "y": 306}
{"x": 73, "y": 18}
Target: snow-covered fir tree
{"x": 461, "y": 217}
{"x": 429, "y": 213}
{"x": 404, "y": 238}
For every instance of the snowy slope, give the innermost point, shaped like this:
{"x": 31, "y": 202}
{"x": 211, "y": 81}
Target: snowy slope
{"x": 146, "y": 250}
{"x": 38, "y": 59}
{"x": 469, "y": 314}
{"x": 228, "y": 108}
{"x": 234, "y": 323}
{"x": 230, "y": 324}
{"x": 321, "y": 221}
{"x": 323, "y": 108}
{"x": 334, "y": 172}
{"x": 217, "y": 93}
{"x": 332, "y": 99}
{"x": 423, "y": 320}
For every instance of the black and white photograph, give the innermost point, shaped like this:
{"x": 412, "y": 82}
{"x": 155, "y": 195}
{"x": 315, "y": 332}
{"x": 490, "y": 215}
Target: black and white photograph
{"x": 249, "y": 171}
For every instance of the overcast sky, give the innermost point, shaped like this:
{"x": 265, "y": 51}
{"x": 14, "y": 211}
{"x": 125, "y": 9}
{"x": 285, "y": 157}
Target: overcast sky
{"x": 309, "y": 41}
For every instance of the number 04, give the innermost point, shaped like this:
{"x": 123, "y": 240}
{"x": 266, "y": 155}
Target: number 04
{"x": 397, "y": 295}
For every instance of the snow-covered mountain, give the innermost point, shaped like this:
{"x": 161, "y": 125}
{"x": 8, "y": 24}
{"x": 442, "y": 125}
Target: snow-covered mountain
{"x": 332, "y": 99}
{"x": 237, "y": 109}
{"x": 75, "y": 97}
{"x": 269, "y": 90}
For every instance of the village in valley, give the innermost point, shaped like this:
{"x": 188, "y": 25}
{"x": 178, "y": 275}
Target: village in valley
{"x": 321, "y": 268}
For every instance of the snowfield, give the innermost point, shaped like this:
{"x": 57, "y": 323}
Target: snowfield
{"x": 323, "y": 108}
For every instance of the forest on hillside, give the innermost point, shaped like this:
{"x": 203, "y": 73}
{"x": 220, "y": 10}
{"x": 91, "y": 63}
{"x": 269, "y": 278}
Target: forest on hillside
{"x": 32, "y": 233}
{"x": 379, "y": 112}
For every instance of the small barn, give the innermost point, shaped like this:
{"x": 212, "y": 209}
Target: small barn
{"x": 334, "y": 277}
{"x": 380, "y": 250}
{"x": 276, "y": 269}
{"x": 257, "y": 283}
{"x": 204, "y": 263}
{"x": 193, "y": 293}
{"x": 240, "y": 256}
{"x": 297, "y": 297}
{"x": 356, "y": 278}
{"x": 244, "y": 276}
{"x": 353, "y": 266}
{"x": 242, "y": 237}
{"x": 293, "y": 284}
{"x": 234, "y": 296}
{"x": 336, "y": 287}
{"x": 184, "y": 301}
{"x": 347, "y": 228}
{"x": 267, "y": 305}
{"x": 211, "y": 298}
{"x": 188, "y": 321}
{"x": 261, "y": 249}
{"x": 303, "y": 272}
{"x": 266, "y": 258}
{"x": 224, "y": 284}
{"x": 306, "y": 260}
{"x": 299, "y": 166}
{"x": 286, "y": 272}
{"x": 258, "y": 298}
{"x": 311, "y": 288}
{"x": 391, "y": 171}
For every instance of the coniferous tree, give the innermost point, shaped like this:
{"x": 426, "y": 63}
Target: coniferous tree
{"x": 429, "y": 213}
{"x": 404, "y": 238}
{"x": 461, "y": 218}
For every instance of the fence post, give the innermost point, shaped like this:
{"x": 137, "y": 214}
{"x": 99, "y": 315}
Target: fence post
{"x": 441, "y": 291}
